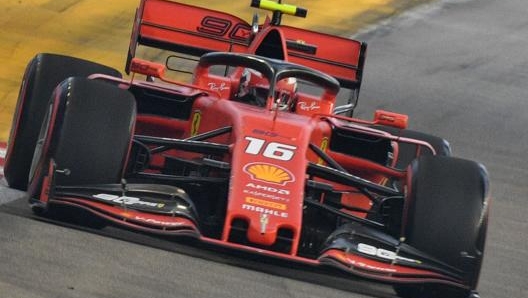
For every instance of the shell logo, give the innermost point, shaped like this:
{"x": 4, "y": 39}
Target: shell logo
{"x": 268, "y": 173}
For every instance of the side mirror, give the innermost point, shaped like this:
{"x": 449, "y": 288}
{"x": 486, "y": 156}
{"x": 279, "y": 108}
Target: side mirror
{"x": 147, "y": 68}
{"x": 391, "y": 119}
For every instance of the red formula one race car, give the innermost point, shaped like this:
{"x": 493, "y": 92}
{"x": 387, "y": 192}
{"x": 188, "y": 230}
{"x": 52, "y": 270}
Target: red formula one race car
{"x": 253, "y": 154}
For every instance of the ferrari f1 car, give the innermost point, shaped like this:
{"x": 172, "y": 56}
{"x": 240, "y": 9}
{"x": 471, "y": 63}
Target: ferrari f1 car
{"x": 253, "y": 154}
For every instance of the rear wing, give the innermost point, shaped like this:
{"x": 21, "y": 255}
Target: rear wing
{"x": 195, "y": 31}
{"x": 186, "y": 29}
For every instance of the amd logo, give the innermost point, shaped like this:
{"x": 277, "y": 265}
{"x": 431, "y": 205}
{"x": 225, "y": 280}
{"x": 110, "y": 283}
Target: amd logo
{"x": 268, "y": 189}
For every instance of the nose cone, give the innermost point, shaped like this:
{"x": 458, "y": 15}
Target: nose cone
{"x": 263, "y": 230}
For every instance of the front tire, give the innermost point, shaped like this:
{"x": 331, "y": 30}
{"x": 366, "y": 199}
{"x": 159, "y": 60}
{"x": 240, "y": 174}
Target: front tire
{"x": 445, "y": 216}
{"x": 85, "y": 137}
{"x": 42, "y": 75}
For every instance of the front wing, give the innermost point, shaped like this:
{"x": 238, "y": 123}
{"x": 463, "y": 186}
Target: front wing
{"x": 162, "y": 210}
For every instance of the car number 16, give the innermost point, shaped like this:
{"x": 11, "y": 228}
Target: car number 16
{"x": 272, "y": 150}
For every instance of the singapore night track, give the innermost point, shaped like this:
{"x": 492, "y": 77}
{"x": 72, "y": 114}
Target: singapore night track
{"x": 96, "y": 266}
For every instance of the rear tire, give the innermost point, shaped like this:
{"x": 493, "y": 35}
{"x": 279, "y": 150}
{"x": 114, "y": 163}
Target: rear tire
{"x": 445, "y": 216}
{"x": 87, "y": 133}
{"x": 42, "y": 75}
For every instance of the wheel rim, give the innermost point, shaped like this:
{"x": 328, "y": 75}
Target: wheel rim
{"x": 38, "y": 155}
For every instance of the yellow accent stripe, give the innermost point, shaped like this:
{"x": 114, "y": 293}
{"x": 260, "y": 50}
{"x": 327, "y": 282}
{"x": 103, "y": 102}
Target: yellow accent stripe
{"x": 274, "y": 6}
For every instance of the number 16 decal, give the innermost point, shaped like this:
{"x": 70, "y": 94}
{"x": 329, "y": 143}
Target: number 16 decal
{"x": 272, "y": 150}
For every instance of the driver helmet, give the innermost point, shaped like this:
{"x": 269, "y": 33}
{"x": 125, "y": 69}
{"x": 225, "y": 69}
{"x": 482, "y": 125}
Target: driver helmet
{"x": 286, "y": 94}
{"x": 250, "y": 88}
{"x": 243, "y": 87}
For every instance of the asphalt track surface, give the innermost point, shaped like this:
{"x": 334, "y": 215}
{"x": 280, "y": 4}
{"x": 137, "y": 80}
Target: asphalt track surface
{"x": 459, "y": 69}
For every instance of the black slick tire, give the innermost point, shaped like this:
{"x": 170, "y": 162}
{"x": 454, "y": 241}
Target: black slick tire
{"x": 445, "y": 216}
{"x": 42, "y": 75}
{"x": 86, "y": 133}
